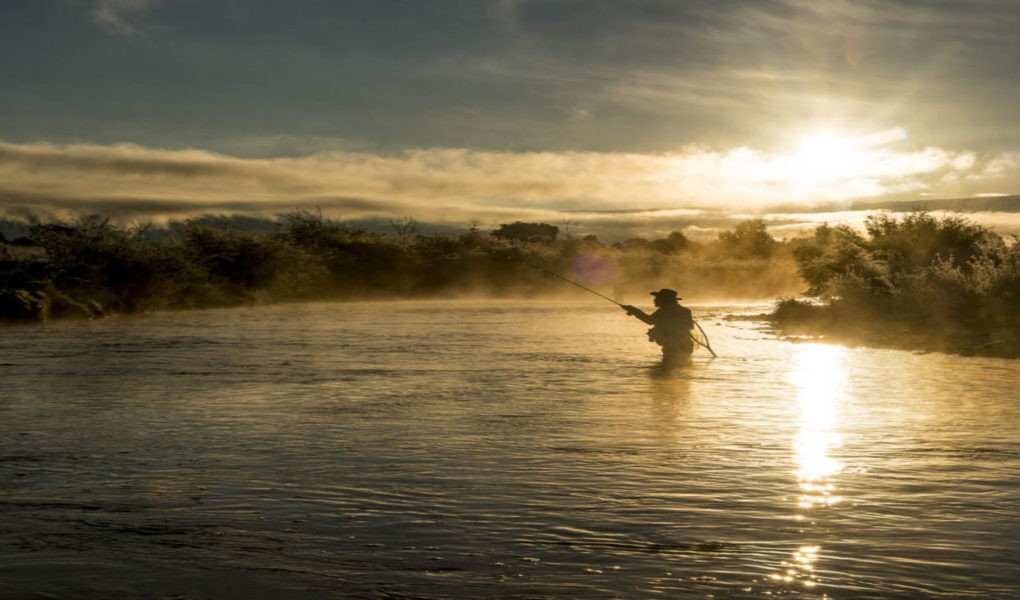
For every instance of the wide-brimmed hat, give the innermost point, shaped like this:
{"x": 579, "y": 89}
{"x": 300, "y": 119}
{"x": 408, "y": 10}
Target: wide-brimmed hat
{"x": 666, "y": 293}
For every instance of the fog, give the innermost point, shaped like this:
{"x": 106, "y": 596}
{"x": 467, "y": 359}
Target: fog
{"x": 93, "y": 267}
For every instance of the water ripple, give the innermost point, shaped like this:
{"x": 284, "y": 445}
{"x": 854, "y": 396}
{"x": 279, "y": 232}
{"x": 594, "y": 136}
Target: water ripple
{"x": 498, "y": 449}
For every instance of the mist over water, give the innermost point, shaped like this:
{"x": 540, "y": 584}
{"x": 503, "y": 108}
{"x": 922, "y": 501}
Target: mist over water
{"x": 495, "y": 449}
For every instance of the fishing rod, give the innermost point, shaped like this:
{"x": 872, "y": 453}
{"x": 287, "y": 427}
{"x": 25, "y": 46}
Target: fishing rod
{"x": 572, "y": 282}
{"x": 558, "y": 276}
{"x": 705, "y": 344}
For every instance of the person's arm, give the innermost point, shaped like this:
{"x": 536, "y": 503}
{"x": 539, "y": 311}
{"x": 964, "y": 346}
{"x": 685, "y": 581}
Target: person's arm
{"x": 640, "y": 314}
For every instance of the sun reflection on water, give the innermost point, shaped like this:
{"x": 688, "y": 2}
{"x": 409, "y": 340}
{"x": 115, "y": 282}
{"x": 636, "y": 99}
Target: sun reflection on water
{"x": 820, "y": 379}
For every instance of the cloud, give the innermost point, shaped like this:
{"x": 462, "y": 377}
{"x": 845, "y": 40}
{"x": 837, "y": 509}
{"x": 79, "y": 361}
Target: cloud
{"x": 112, "y": 14}
{"x": 524, "y": 74}
{"x": 458, "y": 186}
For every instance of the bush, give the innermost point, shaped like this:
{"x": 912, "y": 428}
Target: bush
{"x": 942, "y": 283}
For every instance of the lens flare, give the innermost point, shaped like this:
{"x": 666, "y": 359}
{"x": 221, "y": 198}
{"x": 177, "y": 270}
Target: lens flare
{"x": 593, "y": 269}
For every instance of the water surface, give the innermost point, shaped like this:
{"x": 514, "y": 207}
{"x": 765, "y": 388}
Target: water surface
{"x": 495, "y": 449}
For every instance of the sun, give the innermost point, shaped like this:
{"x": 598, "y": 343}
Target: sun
{"x": 830, "y": 164}
{"x": 826, "y": 145}
{"x": 827, "y": 155}
{"x": 823, "y": 155}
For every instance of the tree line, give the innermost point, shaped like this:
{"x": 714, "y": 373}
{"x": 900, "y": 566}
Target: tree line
{"x": 92, "y": 267}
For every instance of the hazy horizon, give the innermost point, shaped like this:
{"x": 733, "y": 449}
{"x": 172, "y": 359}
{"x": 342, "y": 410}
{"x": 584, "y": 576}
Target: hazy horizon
{"x": 638, "y": 118}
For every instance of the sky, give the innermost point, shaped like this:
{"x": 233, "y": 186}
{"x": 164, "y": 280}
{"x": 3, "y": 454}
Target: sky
{"x": 633, "y": 117}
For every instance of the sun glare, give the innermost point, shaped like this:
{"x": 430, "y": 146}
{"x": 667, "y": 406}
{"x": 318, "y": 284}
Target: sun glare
{"x": 819, "y": 378}
{"x": 828, "y": 164}
{"x": 826, "y": 146}
{"x": 827, "y": 155}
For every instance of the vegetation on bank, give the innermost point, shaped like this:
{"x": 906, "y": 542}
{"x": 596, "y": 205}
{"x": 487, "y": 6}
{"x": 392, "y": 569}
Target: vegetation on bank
{"x": 90, "y": 268}
{"x": 919, "y": 282}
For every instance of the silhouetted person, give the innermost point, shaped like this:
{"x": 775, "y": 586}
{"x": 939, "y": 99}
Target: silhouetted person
{"x": 671, "y": 325}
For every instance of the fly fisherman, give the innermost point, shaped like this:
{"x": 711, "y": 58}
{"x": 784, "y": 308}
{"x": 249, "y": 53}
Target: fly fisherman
{"x": 671, "y": 325}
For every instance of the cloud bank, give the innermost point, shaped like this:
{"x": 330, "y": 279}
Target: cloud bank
{"x": 458, "y": 186}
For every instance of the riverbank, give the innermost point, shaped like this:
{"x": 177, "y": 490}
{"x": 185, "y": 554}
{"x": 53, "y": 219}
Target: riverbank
{"x": 920, "y": 282}
{"x": 967, "y": 336}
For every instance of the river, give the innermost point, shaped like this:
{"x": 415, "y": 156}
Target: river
{"x": 495, "y": 449}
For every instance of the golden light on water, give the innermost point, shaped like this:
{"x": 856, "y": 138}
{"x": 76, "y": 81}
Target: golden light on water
{"x": 801, "y": 568}
{"x": 819, "y": 377}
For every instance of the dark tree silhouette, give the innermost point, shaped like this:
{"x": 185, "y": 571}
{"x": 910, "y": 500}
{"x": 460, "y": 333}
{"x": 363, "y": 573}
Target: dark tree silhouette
{"x": 527, "y": 232}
